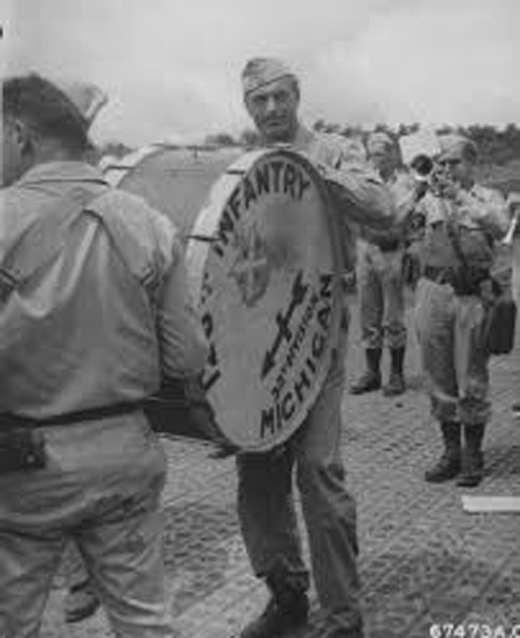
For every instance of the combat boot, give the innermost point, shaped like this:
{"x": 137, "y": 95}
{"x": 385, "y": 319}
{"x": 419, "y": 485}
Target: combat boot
{"x": 396, "y": 384}
{"x": 286, "y": 611}
{"x": 448, "y": 466}
{"x": 81, "y": 602}
{"x": 472, "y": 470}
{"x": 371, "y": 378}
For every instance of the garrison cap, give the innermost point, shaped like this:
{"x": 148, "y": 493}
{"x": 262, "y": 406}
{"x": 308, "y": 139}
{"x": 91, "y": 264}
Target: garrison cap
{"x": 47, "y": 106}
{"x": 261, "y": 71}
{"x": 380, "y": 140}
{"x": 454, "y": 145}
{"x": 89, "y": 99}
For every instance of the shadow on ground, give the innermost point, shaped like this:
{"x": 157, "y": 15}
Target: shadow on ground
{"x": 196, "y": 553}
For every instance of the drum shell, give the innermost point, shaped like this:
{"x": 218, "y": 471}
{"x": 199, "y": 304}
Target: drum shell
{"x": 175, "y": 181}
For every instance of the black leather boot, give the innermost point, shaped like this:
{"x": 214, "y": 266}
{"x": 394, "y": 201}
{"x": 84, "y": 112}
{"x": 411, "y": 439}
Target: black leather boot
{"x": 472, "y": 471}
{"x": 286, "y": 611}
{"x": 396, "y": 384}
{"x": 80, "y": 602}
{"x": 448, "y": 466}
{"x": 371, "y": 378}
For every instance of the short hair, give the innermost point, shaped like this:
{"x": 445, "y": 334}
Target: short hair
{"x": 46, "y": 109}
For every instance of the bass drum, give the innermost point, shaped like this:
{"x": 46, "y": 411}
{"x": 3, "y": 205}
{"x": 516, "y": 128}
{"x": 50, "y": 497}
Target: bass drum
{"x": 269, "y": 294}
{"x": 266, "y": 280}
{"x": 175, "y": 181}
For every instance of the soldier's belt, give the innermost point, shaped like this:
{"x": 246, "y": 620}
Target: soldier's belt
{"x": 10, "y": 421}
{"x": 463, "y": 281}
{"x": 388, "y": 245}
{"x": 385, "y": 244}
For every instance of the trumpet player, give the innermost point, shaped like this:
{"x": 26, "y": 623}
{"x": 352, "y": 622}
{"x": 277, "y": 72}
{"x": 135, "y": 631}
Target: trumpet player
{"x": 463, "y": 222}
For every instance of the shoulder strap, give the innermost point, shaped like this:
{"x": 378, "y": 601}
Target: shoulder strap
{"x": 146, "y": 250}
{"x": 453, "y": 236}
{"x": 43, "y": 240}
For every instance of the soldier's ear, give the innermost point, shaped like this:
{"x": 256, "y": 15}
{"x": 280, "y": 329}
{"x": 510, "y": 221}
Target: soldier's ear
{"x": 296, "y": 89}
{"x": 24, "y": 135}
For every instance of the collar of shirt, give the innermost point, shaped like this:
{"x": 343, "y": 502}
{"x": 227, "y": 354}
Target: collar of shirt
{"x": 303, "y": 138}
{"x": 70, "y": 171}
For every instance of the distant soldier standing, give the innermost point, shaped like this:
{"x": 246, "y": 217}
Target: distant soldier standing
{"x": 461, "y": 217}
{"x": 380, "y": 280}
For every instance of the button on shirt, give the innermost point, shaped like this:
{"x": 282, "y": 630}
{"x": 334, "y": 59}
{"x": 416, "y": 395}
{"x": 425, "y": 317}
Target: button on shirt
{"x": 82, "y": 331}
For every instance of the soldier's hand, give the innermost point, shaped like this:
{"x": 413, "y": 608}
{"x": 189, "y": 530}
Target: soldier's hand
{"x": 420, "y": 190}
{"x": 223, "y": 451}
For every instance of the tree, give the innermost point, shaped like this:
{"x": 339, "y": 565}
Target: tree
{"x": 249, "y": 138}
{"x": 219, "y": 139}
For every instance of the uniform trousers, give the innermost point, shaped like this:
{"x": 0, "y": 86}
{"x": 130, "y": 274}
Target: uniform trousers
{"x": 100, "y": 489}
{"x": 267, "y": 513}
{"x": 381, "y": 297}
{"x": 454, "y": 358}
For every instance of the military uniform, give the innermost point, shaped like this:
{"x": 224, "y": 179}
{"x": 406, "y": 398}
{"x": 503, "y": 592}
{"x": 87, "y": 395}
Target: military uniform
{"x": 93, "y": 309}
{"x": 382, "y": 299}
{"x": 450, "y": 314}
{"x": 265, "y": 501}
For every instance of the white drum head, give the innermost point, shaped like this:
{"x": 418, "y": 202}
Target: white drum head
{"x": 269, "y": 295}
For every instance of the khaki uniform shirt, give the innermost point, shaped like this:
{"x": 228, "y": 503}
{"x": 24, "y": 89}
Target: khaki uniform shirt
{"x": 480, "y": 215}
{"x": 98, "y": 322}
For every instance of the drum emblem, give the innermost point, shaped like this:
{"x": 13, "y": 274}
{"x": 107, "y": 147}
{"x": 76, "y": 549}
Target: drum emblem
{"x": 251, "y": 269}
{"x": 269, "y": 296}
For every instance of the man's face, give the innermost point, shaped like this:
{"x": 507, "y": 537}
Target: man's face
{"x": 457, "y": 168}
{"x": 382, "y": 157}
{"x": 274, "y": 110}
{"x": 12, "y": 152}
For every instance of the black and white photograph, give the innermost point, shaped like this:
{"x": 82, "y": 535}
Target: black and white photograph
{"x": 259, "y": 333}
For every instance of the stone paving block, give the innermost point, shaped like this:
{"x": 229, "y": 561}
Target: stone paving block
{"x": 423, "y": 559}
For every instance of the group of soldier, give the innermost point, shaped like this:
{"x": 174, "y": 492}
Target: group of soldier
{"x": 95, "y": 309}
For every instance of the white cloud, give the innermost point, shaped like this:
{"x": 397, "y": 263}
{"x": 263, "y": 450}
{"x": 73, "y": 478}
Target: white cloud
{"x": 431, "y": 62}
{"x": 171, "y": 67}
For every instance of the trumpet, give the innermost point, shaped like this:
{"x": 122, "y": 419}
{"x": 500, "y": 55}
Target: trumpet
{"x": 422, "y": 167}
{"x": 429, "y": 176}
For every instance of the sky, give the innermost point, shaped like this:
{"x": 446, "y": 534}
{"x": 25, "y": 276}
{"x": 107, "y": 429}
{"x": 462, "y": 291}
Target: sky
{"x": 171, "y": 68}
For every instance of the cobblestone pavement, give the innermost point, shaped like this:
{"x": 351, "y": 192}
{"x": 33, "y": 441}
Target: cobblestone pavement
{"x": 424, "y": 560}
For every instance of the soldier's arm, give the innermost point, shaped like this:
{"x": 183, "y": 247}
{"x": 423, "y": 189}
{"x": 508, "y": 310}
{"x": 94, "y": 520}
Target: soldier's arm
{"x": 358, "y": 193}
{"x": 513, "y": 205}
{"x": 183, "y": 347}
{"x": 408, "y": 198}
{"x": 360, "y": 196}
{"x": 488, "y": 209}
